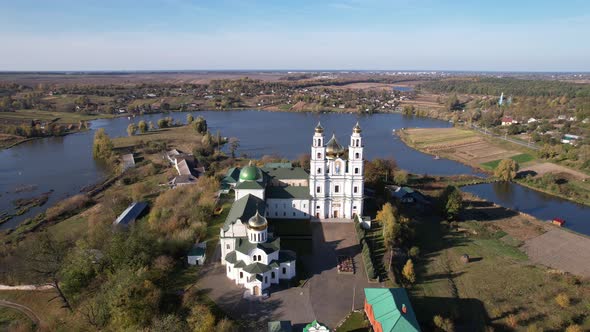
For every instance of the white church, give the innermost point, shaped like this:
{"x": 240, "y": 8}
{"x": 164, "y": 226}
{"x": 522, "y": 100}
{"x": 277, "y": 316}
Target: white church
{"x": 334, "y": 190}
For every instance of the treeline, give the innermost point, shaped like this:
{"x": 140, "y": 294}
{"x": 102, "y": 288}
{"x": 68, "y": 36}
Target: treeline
{"x": 512, "y": 86}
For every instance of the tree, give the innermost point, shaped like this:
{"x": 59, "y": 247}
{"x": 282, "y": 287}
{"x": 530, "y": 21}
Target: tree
{"x": 131, "y": 129}
{"x": 43, "y": 260}
{"x": 400, "y": 177}
{"x": 451, "y": 202}
{"x": 142, "y": 126}
{"x": 200, "y": 125}
{"x": 408, "y": 272}
{"x": 234, "y": 144}
{"x": 200, "y": 319}
{"x": 563, "y": 300}
{"x": 151, "y": 126}
{"x": 167, "y": 323}
{"x": 189, "y": 118}
{"x": 163, "y": 123}
{"x": 102, "y": 148}
{"x": 304, "y": 160}
{"x": 506, "y": 170}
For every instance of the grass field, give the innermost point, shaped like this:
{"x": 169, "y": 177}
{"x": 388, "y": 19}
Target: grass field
{"x": 59, "y": 117}
{"x": 519, "y": 158}
{"x": 14, "y": 320}
{"x": 184, "y": 138}
{"x": 499, "y": 288}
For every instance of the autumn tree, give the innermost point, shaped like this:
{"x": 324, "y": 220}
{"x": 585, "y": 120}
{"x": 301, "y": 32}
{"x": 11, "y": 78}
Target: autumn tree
{"x": 102, "y": 148}
{"x": 408, "y": 272}
{"x": 189, "y": 118}
{"x": 142, "y": 126}
{"x": 506, "y": 170}
{"x": 131, "y": 129}
{"x": 201, "y": 319}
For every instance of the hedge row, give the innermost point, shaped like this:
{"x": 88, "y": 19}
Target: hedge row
{"x": 361, "y": 234}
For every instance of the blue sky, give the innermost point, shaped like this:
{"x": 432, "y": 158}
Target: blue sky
{"x": 520, "y": 35}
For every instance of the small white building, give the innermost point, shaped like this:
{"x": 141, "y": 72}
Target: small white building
{"x": 532, "y": 120}
{"x": 196, "y": 256}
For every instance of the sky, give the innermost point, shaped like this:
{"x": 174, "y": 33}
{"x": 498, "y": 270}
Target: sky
{"x": 477, "y": 35}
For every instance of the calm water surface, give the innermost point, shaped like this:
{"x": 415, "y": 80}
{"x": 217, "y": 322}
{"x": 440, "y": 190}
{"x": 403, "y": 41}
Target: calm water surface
{"x": 65, "y": 164}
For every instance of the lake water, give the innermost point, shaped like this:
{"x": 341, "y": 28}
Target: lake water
{"x": 65, "y": 164}
{"x": 540, "y": 205}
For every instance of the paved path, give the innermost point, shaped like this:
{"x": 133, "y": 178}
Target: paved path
{"x": 327, "y": 295}
{"x": 25, "y": 310}
{"x": 561, "y": 249}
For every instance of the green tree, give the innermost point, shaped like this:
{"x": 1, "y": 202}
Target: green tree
{"x": 451, "y": 202}
{"x": 401, "y": 177}
{"x": 506, "y": 170}
{"x": 142, "y": 126}
{"x": 131, "y": 129}
{"x": 408, "y": 272}
{"x": 200, "y": 125}
{"x": 189, "y": 118}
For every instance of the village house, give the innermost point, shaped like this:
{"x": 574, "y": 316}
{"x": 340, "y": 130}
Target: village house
{"x": 196, "y": 256}
{"x": 508, "y": 121}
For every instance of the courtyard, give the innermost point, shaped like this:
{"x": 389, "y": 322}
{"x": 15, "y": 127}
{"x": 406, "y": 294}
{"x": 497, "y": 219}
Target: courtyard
{"x": 326, "y": 295}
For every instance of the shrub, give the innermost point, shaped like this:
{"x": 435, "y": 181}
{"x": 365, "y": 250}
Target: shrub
{"x": 534, "y": 328}
{"x": 414, "y": 252}
{"x": 443, "y": 324}
{"x": 574, "y": 328}
{"x": 512, "y": 321}
{"x": 563, "y": 300}
{"x": 67, "y": 206}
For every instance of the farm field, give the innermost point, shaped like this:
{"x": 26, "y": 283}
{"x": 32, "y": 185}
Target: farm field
{"x": 462, "y": 145}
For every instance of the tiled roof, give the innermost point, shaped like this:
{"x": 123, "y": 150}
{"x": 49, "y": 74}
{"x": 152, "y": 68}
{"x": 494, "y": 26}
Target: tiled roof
{"x": 243, "y": 209}
{"x": 257, "y": 268}
{"x": 249, "y": 185}
{"x": 231, "y": 257}
{"x": 301, "y": 192}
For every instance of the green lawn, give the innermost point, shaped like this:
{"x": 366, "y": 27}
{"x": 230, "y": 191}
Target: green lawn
{"x": 519, "y": 158}
{"x": 355, "y": 322}
{"x": 499, "y": 285}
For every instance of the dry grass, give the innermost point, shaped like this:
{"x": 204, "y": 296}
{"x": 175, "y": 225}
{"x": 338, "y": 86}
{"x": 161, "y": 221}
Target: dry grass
{"x": 184, "y": 138}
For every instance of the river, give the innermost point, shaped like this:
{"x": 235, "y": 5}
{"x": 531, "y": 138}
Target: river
{"x": 65, "y": 164}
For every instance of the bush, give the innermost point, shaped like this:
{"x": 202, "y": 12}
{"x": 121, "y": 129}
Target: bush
{"x": 563, "y": 300}
{"x": 443, "y": 324}
{"x": 574, "y": 328}
{"x": 67, "y": 206}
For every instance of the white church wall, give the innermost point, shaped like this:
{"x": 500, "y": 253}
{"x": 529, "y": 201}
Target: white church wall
{"x": 282, "y": 208}
{"x": 255, "y": 192}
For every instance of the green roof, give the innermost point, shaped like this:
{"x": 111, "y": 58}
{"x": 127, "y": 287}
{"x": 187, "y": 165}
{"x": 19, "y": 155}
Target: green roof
{"x": 250, "y": 173}
{"x": 278, "y": 165}
{"x": 240, "y": 264}
{"x": 286, "y": 173}
{"x": 243, "y": 209}
{"x": 301, "y": 192}
{"x": 232, "y": 175}
{"x": 196, "y": 250}
{"x": 231, "y": 257}
{"x": 244, "y": 246}
{"x": 256, "y": 268}
{"x": 249, "y": 185}
{"x": 280, "y": 326}
{"x": 387, "y": 306}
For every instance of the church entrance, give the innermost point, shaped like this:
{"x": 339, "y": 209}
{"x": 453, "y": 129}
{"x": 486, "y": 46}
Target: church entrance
{"x": 317, "y": 215}
{"x": 256, "y": 291}
{"x": 335, "y": 214}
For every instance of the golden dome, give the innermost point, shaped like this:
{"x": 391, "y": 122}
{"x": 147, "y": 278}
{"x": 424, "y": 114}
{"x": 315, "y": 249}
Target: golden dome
{"x": 319, "y": 129}
{"x": 333, "y": 148}
{"x": 257, "y": 222}
{"x": 357, "y": 128}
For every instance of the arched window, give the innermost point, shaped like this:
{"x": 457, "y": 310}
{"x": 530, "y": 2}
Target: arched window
{"x": 259, "y": 258}
{"x": 272, "y": 275}
{"x": 284, "y": 270}
{"x": 265, "y": 280}
{"x": 357, "y": 155}
{"x": 241, "y": 275}
{"x": 254, "y": 258}
{"x": 356, "y": 189}
{"x": 227, "y": 246}
{"x": 319, "y": 171}
{"x": 356, "y": 170}
{"x": 319, "y": 155}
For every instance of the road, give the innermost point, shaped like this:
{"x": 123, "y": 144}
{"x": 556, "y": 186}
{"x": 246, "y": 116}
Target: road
{"x": 512, "y": 140}
{"x": 25, "y": 310}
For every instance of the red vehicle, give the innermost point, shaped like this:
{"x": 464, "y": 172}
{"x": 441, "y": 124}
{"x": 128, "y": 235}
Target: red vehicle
{"x": 558, "y": 221}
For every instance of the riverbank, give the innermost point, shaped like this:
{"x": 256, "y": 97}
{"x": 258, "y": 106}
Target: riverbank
{"x": 484, "y": 153}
